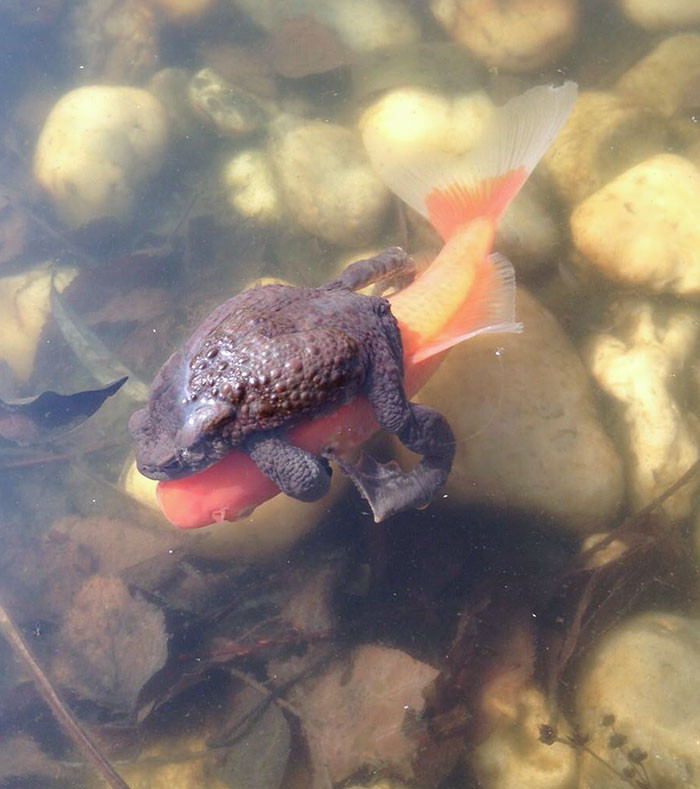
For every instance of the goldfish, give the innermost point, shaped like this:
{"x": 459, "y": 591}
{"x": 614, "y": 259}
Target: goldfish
{"x": 467, "y": 290}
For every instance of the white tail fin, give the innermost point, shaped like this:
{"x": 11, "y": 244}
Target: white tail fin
{"x": 451, "y": 190}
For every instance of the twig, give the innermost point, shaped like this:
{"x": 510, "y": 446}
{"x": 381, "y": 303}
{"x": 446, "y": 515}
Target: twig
{"x": 63, "y": 715}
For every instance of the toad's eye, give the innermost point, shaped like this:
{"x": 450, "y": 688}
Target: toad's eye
{"x": 204, "y": 421}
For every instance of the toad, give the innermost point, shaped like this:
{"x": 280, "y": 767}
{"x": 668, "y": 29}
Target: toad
{"x": 277, "y": 355}
{"x": 279, "y": 379}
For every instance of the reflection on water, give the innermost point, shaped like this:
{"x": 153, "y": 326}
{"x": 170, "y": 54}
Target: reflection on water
{"x": 537, "y": 624}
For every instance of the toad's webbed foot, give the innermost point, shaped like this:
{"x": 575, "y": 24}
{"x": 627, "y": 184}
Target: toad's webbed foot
{"x": 296, "y": 472}
{"x": 387, "y": 488}
{"x": 390, "y": 264}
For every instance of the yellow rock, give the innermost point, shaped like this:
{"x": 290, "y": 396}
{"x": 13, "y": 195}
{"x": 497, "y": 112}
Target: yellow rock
{"x": 140, "y": 488}
{"x": 251, "y": 188}
{"x": 656, "y": 14}
{"x": 513, "y": 757}
{"x": 645, "y": 672}
{"x": 183, "y": 10}
{"x": 516, "y": 35}
{"x": 415, "y": 120}
{"x": 25, "y": 306}
{"x": 643, "y": 228}
{"x": 604, "y": 134}
{"x": 99, "y": 144}
{"x": 664, "y": 78}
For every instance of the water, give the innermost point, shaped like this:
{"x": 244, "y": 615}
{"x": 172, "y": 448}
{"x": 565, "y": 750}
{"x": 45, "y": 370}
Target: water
{"x": 304, "y": 645}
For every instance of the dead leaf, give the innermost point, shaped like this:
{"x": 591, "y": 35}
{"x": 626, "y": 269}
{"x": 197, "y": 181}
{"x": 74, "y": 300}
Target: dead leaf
{"x": 303, "y": 46}
{"x": 42, "y": 418}
{"x": 22, "y": 759}
{"x": 258, "y": 755}
{"x": 116, "y": 542}
{"x": 111, "y": 644}
{"x": 138, "y": 305}
{"x": 358, "y": 712}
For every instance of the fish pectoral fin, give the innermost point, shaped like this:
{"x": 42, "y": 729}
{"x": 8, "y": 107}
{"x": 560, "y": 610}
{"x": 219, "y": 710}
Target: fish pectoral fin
{"x": 490, "y": 309}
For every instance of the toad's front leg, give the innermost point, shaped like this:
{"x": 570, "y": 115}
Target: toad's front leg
{"x": 296, "y": 472}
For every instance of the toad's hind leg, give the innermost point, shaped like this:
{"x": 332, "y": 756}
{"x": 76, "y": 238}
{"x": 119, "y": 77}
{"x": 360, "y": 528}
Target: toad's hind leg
{"x": 393, "y": 262}
{"x": 387, "y": 488}
{"x": 296, "y": 472}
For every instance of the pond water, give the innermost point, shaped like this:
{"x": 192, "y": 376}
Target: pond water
{"x": 537, "y": 624}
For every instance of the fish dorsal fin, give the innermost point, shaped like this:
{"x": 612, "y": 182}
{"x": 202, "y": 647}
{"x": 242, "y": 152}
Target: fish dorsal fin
{"x": 451, "y": 190}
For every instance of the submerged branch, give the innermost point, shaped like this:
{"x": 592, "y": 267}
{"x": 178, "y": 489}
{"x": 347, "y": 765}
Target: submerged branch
{"x": 64, "y": 716}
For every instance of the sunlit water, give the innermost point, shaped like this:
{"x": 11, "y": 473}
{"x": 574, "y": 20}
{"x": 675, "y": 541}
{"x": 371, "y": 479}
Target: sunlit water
{"x": 163, "y": 641}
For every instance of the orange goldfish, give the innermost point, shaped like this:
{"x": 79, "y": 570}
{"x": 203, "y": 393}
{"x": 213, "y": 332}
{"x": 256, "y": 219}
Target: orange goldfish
{"x": 465, "y": 291}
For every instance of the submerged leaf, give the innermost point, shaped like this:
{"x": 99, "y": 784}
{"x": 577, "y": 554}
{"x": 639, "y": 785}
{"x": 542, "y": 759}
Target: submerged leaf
{"x": 48, "y": 415}
{"x": 258, "y": 754}
{"x": 359, "y": 713}
{"x": 111, "y": 643}
{"x": 92, "y": 352}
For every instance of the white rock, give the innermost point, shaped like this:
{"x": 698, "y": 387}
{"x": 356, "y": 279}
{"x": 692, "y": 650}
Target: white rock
{"x": 515, "y": 35}
{"x": 663, "y": 79}
{"x": 414, "y": 120}
{"x": 183, "y": 11}
{"x": 528, "y": 435}
{"x": 513, "y": 757}
{"x": 646, "y": 673}
{"x": 25, "y": 306}
{"x": 643, "y": 228}
{"x": 251, "y": 188}
{"x": 639, "y": 365}
{"x": 329, "y": 185}
{"x": 361, "y": 24}
{"x": 655, "y": 14}
{"x": 111, "y": 42}
{"x": 98, "y": 146}
{"x": 603, "y": 135}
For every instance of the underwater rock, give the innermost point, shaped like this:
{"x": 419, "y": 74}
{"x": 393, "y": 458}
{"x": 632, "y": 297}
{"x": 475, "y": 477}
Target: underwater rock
{"x": 656, "y": 14}
{"x": 360, "y": 24}
{"x": 604, "y": 135}
{"x": 251, "y": 188}
{"x": 138, "y": 487}
{"x": 528, "y": 435}
{"x": 170, "y": 86}
{"x": 183, "y": 11}
{"x": 637, "y": 694}
{"x": 329, "y": 185}
{"x": 527, "y": 233}
{"x": 414, "y": 120}
{"x": 643, "y": 228}
{"x": 664, "y": 79}
{"x": 515, "y": 35}
{"x": 99, "y": 144}
{"x": 114, "y": 41}
{"x": 639, "y": 364}
{"x": 513, "y": 756}
{"x": 25, "y": 306}
{"x": 230, "y": 110}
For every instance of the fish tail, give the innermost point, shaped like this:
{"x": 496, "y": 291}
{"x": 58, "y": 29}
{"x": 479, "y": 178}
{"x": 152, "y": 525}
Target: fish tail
{"x": 452, "y": 190}
{"x": 467, "y": 291}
